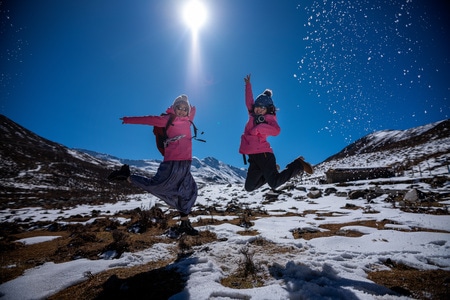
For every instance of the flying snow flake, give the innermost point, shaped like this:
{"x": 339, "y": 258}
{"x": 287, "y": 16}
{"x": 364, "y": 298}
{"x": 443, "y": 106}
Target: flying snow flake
{"x": 12, "y": 52}
{"x": 360, "y": 57}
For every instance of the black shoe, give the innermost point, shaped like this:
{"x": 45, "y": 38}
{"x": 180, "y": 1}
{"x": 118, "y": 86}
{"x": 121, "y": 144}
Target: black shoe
{"x": 121, "y": 174}
{"x": 186, "y": 227}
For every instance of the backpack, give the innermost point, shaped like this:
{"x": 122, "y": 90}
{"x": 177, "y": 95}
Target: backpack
{"x": 161, "y": 134}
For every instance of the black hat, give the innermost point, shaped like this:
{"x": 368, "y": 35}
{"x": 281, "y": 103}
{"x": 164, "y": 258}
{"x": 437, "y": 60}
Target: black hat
{"x": 265, "y": 99}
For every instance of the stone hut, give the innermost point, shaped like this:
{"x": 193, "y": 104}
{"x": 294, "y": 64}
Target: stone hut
{"x": 352, "y": 174}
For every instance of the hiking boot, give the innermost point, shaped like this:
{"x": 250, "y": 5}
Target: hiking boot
{"x": 300, "y": 165}
{"x": 306, "y": 166}
{"x": 186, "y": 227}
{"x": 121, "y": 174}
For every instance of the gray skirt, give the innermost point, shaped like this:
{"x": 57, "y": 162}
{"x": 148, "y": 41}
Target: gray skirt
{"x": 173, "y": 183}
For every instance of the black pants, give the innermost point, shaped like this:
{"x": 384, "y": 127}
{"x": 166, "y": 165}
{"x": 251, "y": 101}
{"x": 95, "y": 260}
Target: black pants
{"x": 263, "y": 169}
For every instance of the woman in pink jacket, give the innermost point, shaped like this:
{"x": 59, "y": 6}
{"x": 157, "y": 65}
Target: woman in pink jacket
{"x": 262, "y": 122}
{"x": 173, "y": 182}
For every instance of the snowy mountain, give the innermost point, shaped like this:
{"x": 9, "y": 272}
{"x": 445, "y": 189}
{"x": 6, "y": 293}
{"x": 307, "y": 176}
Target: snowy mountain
{"x": 36, "y": 170}
{"x": 421, "y": 149}
{"x": 204, "y": 170}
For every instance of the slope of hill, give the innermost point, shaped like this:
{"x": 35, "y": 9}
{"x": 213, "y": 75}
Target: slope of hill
{"x": 396, "y": 139}
{"x": 421, "y": 149}
{"x": 36, "y": 171}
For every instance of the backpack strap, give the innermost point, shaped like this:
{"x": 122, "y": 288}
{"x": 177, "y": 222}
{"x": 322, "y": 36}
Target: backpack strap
{"x": 195, "y": 133}
{"x": 169, "y": 122}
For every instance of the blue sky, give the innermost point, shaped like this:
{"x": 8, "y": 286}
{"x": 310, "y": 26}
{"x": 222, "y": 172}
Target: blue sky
{"x": 338, "y": 70}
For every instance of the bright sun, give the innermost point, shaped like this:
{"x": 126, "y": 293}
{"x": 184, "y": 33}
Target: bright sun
{"x": 194, "y": 14}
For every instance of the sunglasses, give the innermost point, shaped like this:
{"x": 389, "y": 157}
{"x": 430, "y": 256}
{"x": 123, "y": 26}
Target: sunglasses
{"x": 183, "y": 108}
{"x": 262, "y": 107}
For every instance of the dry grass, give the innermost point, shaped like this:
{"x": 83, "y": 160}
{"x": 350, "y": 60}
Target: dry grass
{"x": 157, "y": 280}
{"x": 418, "y": 284}
{"x": 152, "y": 281}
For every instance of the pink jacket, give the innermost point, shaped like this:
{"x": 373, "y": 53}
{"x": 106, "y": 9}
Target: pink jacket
{"x": 180, "y": 149}
{"x": 254, "y": 138}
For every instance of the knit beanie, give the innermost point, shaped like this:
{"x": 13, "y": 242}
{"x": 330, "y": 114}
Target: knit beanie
{"x": 182, "y": 99}
{"x": 265, "y": 99}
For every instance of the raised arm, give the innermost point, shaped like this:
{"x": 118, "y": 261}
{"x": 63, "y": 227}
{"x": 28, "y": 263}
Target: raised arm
{"x": 249, "y": 101}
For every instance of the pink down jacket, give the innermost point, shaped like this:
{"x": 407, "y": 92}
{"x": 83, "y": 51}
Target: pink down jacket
{"x": 254, "y": 138}
{"x": 180, "y": 149}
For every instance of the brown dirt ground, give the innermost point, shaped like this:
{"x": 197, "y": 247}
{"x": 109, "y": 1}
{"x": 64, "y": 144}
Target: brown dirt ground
{"x": 156, "y": 280}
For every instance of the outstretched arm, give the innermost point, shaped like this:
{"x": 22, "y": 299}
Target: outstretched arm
{"x": 159, "y": 121}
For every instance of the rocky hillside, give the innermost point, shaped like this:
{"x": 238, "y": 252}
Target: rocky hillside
{"x": 397, "y": 139}
{"x": 36, "y": 171}
{"x": 421, "y": 149}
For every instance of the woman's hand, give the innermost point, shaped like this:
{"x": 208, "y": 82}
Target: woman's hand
{"x": 247, "y": 78}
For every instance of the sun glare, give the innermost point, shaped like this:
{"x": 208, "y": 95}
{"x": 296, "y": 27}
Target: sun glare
{"x": 194, "y": 14}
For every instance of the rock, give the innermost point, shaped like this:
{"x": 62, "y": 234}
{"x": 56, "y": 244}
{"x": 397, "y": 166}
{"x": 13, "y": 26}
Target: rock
{"x": 330, "y": 191}
{"x": 357, "y": 194}
{"x": 314, "y": 194}
{"x": 412, "y": 196}
{"x": 341, "y": 194}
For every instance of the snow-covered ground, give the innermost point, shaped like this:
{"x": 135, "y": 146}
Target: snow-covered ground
{"x": 333, "y": 267}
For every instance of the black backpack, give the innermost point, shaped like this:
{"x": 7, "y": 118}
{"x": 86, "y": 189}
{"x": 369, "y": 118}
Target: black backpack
{"x": 161, "y": 134}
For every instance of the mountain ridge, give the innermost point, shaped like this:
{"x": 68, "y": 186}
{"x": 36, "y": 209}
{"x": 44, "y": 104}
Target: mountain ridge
{"x": 38, "y": 170}
{"x": 391, "y": 139}
{"x": 419, "y": 148}
{"x": 216, "y": 171}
